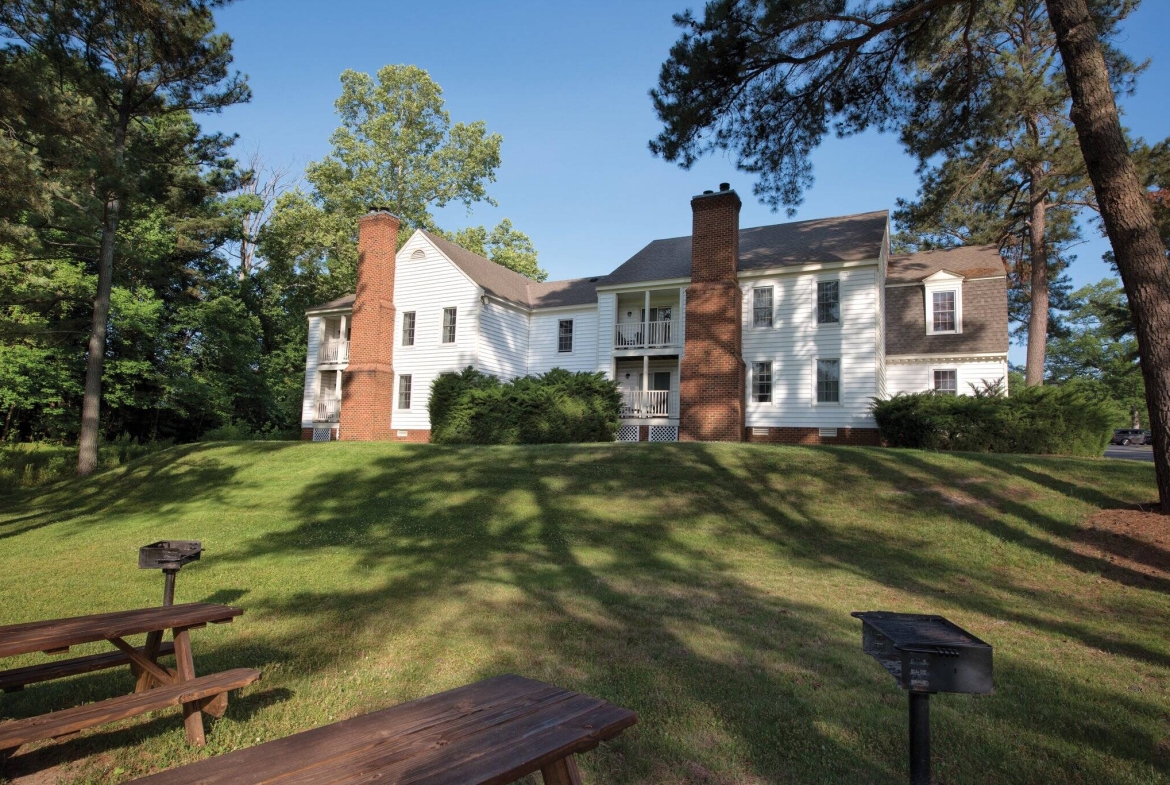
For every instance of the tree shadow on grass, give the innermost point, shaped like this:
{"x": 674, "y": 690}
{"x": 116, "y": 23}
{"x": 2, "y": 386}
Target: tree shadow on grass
{"x": 597, "y": 570}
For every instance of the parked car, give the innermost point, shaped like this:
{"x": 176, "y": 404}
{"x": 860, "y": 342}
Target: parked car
{"x": 1128, "y": 436}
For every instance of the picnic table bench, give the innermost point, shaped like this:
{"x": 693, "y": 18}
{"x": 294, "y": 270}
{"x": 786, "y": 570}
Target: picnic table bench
{"x": 487, "y": 733}
{"x": 157, "y": 686}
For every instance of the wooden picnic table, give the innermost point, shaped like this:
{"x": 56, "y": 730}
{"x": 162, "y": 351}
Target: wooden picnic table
{"x": 488, "y": 733}
{"x": 157, "y": 685}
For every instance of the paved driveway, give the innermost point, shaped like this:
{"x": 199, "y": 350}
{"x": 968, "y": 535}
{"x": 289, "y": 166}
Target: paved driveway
{"x": 1134, "y": 452}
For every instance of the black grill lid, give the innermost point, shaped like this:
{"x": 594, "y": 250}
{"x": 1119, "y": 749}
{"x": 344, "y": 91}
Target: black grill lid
{"x": 169, "y": 554}
{"x": 920, "y": 632}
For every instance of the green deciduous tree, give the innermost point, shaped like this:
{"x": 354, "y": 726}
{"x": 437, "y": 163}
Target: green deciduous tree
{"x": 119, "y": 65}
{"x": 505, "y": 245}
{"x": 766, "y": 80}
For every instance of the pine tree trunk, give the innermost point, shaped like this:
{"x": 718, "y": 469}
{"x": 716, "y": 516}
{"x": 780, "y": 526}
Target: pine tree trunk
{"x": 87, "y": 452}
{"x": 1038, "y": 317}
{"x": 1126, "y": 213}
{"x": 1135, "y": 418}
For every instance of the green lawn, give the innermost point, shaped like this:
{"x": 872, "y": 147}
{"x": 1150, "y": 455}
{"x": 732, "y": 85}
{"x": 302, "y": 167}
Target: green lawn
{"x": 707, "y": 587}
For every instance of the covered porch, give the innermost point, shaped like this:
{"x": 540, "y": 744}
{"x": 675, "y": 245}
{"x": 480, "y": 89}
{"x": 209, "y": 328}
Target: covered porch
{"x": 649, "y": 387}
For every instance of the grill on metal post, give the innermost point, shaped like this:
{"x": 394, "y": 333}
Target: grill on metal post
{"x": 925, "y": 654}
{"x": 169, "y": 556}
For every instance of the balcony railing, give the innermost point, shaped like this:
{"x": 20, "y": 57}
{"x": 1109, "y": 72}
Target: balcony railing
{"x": 327, "y": 409}
{"x": 334, "y": 350}
{"x": 647, "y": 403}
{"x": 646, "y": 335}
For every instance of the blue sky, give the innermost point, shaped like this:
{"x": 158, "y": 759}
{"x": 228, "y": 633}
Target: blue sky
{"x": 566, "y": 85}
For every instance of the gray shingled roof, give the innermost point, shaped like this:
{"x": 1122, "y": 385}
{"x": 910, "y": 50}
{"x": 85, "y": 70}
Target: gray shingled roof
{"x": 969, "y": 261}
{"x": 341, "y": 302}
{"x": 847, "y": 238}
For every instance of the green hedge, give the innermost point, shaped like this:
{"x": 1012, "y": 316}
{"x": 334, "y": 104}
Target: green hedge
{"x": 476, "y": 408}
{"x": 1071, "y": 419}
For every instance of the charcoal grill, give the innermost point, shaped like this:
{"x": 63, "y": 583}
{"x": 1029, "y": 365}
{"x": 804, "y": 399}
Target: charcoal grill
{"x": 169, "y": 556}
{"x": 925, "y": 654}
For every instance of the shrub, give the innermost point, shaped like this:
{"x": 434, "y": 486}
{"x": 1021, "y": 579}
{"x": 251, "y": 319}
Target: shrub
{"x": 471, "y": 407}
{"x": 1071, "y": 419}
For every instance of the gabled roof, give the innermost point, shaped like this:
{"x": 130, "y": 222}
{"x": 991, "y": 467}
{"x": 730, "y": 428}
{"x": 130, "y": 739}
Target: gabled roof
{"x": 499, "y": 281}
{"x": 968, "y": 261}
{"x": 847, "y": 238}
{"x": 494, "y": 278}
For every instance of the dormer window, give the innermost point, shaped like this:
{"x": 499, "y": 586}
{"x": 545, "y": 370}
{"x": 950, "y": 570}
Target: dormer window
{"x": 944, "y": 303}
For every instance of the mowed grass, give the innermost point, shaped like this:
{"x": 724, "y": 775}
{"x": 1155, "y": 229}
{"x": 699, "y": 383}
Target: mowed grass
{"x": 708, "y": 587}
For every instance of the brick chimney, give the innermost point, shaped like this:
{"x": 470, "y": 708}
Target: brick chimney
{"x": 711, "y": 379}
{"x": 367, "y": 386}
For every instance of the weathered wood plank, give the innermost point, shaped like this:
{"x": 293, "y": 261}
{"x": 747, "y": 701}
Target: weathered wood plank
{"x": 160, "y": 674}
{"x": 14, "y": 733}
{"x": 185, "y": 665}
{"x": 16, "y": 678}
{"x": 60, "y": 633}
{"x": 488, "y": 733}
{"x": 562, "y": 772}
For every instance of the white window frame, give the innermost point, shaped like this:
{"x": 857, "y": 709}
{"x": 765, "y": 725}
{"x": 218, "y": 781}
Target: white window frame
{"x": 840, "y": 381}
{"x": 936, "y": 368}
{"x": 398, "y": 392}
{"x": 771, "y": 308}
{"x": 943, "y": 281}
{"x": 572, "y": 335}
{"x": 771, "y": 383}
{"x": 817, "y": 306}
{"x": 443, "y": 327}
{"x": 413, "y": 330}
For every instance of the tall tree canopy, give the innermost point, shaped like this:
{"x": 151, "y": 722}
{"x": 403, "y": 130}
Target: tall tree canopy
{"x": 109, "y": 75}
{"x": 1020, "y": 182}
{"x": 766, "y": 79}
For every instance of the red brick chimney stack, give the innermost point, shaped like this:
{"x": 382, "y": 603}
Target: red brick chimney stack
{"x": 711, "y": 384}
{"x": 367, "y": 386}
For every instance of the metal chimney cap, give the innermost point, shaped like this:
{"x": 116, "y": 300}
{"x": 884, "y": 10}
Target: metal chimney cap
{"x": 725, "y": 186}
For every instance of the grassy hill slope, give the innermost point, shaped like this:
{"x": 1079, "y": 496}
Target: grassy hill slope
{"x": 708, "y": 587}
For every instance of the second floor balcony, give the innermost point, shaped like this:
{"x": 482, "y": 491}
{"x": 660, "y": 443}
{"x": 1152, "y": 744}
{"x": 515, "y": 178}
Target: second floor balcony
{"x": 334, "y": 350}
{"x": 661, "y": 334}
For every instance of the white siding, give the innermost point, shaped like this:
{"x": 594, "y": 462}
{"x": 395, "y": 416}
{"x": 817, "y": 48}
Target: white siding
{"x": 880, "y": 318}
{"x": 307, "y": 409}
{"x": 503, "y": 340}
{"x": 427, "y": 286}
{"x": 912, "y": 377}
{"x": 606, "y": 308}
{"x": 795, "y": 342}
{"x": 543, "y": 354}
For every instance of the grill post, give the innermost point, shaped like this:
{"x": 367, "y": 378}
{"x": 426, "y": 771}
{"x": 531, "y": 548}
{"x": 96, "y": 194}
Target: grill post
{"x": 919, "y": 738}
{"x": 169, "y": 587}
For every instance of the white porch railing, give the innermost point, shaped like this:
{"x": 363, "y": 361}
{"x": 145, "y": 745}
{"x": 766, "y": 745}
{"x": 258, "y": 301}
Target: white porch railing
{"x": 642, "y": 335}
{"x": 647, "y": 403}
{"x": 334, "y": 350}
{"x": 327, "y": 409}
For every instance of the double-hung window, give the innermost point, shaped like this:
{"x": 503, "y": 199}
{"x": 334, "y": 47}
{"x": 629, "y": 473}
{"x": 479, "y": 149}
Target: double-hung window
{"x": 762, "y": 306}
{"x": 762, "y": 382}
{"x": 404, "y": 385}
{"x": 408, "y": 328}
{"x": 828, "y": 381}
{"x": 943, "y": 311}
{"x": 448, "y": 325}
{"x": 946, "y": 381}
{"x": 565, "y": 336}
{"x": 828, "y": 302}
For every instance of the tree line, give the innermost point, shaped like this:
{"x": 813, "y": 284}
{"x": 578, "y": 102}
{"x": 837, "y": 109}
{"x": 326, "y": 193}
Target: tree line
{"x": 152, "y": 285}
{"x": 153, "y": 278}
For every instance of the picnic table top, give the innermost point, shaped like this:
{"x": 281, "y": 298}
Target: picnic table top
{"x": 487, "y": 733}
{"x": 61, "y": 633}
